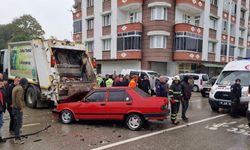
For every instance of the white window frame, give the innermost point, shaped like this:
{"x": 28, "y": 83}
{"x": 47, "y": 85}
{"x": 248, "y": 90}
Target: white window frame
{"x": 225, "y": 26}
{"x": 106, "y": 20}
{"x": 90, "y": 46}
{"x": 90, "y": 24}
{"x": 211, "y": 47}
{"x": 90, "y": 3}
{"x": 242, "y": 33}
{"x": 213, "y": 2}
{"x": 135, "y": 17}
{"x": 158, "y": 41}
{"x": 186, "y": 18}
{"x": 106, "y": 44}
{"x": 197, "y": 20}
{"x": 159, "y": 13}
{"x": 212, "y": 23}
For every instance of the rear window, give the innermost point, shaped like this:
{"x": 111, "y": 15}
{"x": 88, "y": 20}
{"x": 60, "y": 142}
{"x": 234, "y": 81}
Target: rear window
{"x": 141, "y": 92}
{"x": 118, "y": 96}
{"x": 195, "y": 77}
{"x": 205, "y": 78}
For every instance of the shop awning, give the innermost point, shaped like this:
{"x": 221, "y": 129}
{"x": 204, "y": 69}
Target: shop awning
{"x": 213, "y": 65}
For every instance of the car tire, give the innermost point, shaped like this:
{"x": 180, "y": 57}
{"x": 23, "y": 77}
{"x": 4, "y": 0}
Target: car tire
{"x": 216, "y": 109}
{"x": 195, "y": 88}
{"x": 66, "y": 116}
{"x": 31, "y": 97}
{"x": 203, "y": 95}
{"x": 134, "y": 121}
{"x": 249, "y": 125}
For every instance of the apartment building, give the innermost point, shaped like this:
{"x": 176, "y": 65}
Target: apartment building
{"x": 168, "y": 36}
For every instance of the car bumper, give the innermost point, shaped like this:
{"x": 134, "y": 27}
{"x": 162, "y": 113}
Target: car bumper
{"x": 205, "y": 91}
{"x": 156, "y": 116}
{"x": 219, "y": 103}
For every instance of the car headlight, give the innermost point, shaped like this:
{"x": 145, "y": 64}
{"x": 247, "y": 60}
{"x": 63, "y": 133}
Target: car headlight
{"x": 212, "y": 91}
{"x": 245, "y": 94}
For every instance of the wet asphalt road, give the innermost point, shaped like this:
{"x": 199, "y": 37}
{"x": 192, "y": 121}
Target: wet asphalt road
{"x": 206, "y": 130}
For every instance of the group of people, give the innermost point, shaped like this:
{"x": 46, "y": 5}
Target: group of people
{"x": 12, "y": 99}
{"x": 179, "y": 92}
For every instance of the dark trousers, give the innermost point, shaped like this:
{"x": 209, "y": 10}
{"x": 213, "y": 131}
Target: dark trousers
{"x": 11, "y": 126}
{"x": 234, "y": 107}
{"x": 174, "y": 110}
{"x": 18, "y": 122}
{"x": 184, "y": 104}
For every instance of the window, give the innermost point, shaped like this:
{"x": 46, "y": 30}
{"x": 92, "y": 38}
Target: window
{"x": 188, "y": 41}
{"x": 205, "y": 78}
{"x": 158, "y": 13}
{"x": 184, "y": 68}
{"x": 129, "y": 40}
{"x": 226, "y": 5}
{"x": 241, "y": 53}
{"x": 225, "y": 26}
{"x": 228, "y": 78}
{"x": 90, "y": 24}
{"x": 242, "y": 33}
{"x": 158, "y": 41}
{"x": 98, "y": 96}
{"x": 231, "y": 50}
{"x": 213, "y": 23}
{"x": 77, "y": 26}
{"x": 90, "y": 46}
{"x": 119, "y": 96}
{"x": 211, "y": 47}
{"x": 186, "y": 19}
{"x": 135, "y": 17}
{"x": 195, "y": 77}
{"x": 213, "y": 2}
{"x": 107, "y": 44}
{"x": 197, "y": 20}
{"x": 106, "y": 20}
{"x": 242, "y": 14}
{"x": 90, "y": 3}
{"x": 141, "y": 92}
{"x": 223, "y": 49}
{"x": 233, "y": 8}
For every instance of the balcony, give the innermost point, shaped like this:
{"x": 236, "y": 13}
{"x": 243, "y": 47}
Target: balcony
{"x": 106, "y": 30}
{"x": 230, "y": 58}
{"x": 212, "y": 34}
{"x": 128, "y": 5}
{"x": 77, "y": 15}
{"x": 242, "y": 22}
{"x": 90, "y": 33}
{"x": 131, "y": 54}
{"x": 77, "y": 37}
{"x": 223, "y": 58}
{"x": 211, "y": 57}
{"x": 90, "y": 11}
{"x": 129, "y": 27}
{"x": 214, "y": 10}
{"x": 241, "y": 41}
{"x": 192, "y": 6}
{"x": 225, "y": 15}
{"x": 233, "y": 19}
{"x": 106, "y": 55}
{"x": 106, "y": 5}
{"x": 224, "y": 37}
{"x": 185, "y": 27}
{"x": 187, "y": 56}
{"x": 232, "y": 40}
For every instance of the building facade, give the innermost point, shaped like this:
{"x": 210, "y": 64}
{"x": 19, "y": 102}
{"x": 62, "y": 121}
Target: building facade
{"x": 168, "y": 36}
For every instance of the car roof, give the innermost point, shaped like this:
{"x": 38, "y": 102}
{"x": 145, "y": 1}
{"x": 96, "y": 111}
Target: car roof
{"x": 239, "y": 65}
{"x": 193, "y": 74}
{"x": 112, "y": 88}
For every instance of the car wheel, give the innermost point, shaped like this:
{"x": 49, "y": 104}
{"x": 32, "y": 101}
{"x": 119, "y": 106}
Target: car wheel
{"x": 134, "y": 122}
{"x": 203, "y": 95}
{"x": 215, "y": 108}
{"x": 66, "y": 116}
{"x": 31, "y": 97}
{"x": 249, "y": 125}
{"x": 195, "y": 88}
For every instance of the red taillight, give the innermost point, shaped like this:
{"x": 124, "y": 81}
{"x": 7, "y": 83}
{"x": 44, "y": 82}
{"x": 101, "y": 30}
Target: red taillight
{"x": 53, "y": 61}
{"x": 201, "y": 82}
{"x": 94, "y": 62}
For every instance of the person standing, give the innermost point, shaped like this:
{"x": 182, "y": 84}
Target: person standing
{"x": 99, "y": 80}
{"x": 236, "y": 95}
{"x": 9, "y": 90}
{"x": 145, "y": 85}
{"x": 133, "y": 82}
{"x": 161, "y": 90}
{"x": 187, "y": 92}
{"x": 109, "y": 82}
{"x": 18, "y": 107}
{"x": 2, "y": 111}
{"x": 175, "y": 94}
{"x": 126, "y": 80}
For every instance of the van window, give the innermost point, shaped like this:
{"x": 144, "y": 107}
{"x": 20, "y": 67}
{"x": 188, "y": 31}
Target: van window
{"x": 195, "y": 77}
{"x": 134, "y": 73}
{"x": 229, "y": 77}
{"x": 205, "y": 78}
{"x": 143, "y": 74}
{"x": 153, "y": 74}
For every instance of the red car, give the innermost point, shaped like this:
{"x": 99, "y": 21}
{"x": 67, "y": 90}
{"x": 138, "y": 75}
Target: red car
{"x": 118, "y": 103}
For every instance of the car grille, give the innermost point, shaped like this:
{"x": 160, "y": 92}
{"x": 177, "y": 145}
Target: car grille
{"x": 222, "y": 95}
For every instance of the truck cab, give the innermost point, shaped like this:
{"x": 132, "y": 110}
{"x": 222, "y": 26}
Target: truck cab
{"x": 219, "y": 96}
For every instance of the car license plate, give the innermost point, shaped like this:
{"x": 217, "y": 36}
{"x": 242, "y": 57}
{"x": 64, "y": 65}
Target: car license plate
{"x": 207, "y": 92}
{"x": 225, "y": 103}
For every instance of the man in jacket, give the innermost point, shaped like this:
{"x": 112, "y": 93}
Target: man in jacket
{"x": 236, "y": 95}
{"x": 145, "y": 85}
{"x": 18, "y": 107}
{"x": 161, "y": 90}
{"x": 9, "y": 90}
{"x": 175, "y": 94}
{"x": 187, "y": 91}
{"x": 2, "y": 110}
{"x": 109, "y": 82}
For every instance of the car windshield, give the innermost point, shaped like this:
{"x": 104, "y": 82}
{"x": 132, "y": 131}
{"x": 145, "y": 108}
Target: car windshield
{"x": 205, "y": 77}
{"x": 153, "y": 74}
{"x": 141, "y": 92}
{"x": 211, "y": 81}
{"x": 229, "y": 77}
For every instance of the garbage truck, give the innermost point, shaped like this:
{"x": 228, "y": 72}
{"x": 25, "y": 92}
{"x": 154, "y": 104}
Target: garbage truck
{"x": 55, "y": 69}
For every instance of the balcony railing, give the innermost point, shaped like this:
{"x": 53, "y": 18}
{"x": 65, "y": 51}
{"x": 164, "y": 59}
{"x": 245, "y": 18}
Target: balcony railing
{"x": 129, "y": 27}
{"x": 185, "y": 27}
{"x": 127, "y": 5}
{"x": 193, "y": 3}
{"x": 187, "y": 56}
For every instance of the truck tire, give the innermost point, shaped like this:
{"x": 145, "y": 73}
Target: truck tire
{"x": 31, "y": 96}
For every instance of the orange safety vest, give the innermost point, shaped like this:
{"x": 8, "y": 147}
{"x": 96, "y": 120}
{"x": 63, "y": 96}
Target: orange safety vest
{"x": 132, "y": 84}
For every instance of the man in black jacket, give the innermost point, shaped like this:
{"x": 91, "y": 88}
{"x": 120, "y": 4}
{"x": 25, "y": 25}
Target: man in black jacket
{"x": 235, "y": 94}
{"x": 145, "y": 85}
{"x": 9, "y": 103}
{"x": 187, "y": 91}
{"x": 2, "y": 110}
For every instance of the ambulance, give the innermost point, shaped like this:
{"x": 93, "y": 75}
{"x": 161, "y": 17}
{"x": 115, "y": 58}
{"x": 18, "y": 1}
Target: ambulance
{"x": 219, "y": 96}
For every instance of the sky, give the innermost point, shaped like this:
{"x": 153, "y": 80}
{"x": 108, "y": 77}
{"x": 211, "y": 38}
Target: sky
{"x": 54, "y": 16}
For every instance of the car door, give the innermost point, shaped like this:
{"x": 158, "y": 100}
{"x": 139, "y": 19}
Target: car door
{"x": 119, "y": 102}
{"x": 93, "y": 106}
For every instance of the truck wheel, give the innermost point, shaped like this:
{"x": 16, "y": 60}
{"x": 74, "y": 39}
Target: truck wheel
{"x": 215, "y": 108}
{"x": 195, "y": 88}
{"x": 31, "y": 97}
{"x": 134, "y": 122}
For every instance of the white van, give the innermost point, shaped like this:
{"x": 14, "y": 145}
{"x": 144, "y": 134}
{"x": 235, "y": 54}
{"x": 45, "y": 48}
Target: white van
{"x": 219, "y": 96}
{"x": 199, "y": 80}
{"x": 152, "y": 75}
